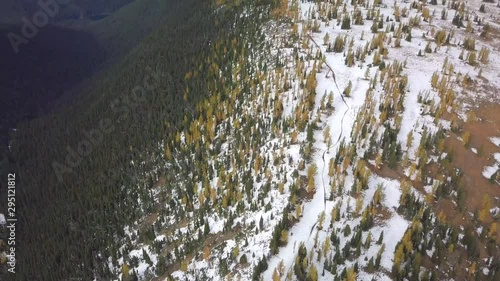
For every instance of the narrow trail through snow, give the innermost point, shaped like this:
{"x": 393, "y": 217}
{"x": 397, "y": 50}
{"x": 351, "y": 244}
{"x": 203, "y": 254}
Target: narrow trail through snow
{"x": 340, "y": 135}
{"x": 303, "y": 231}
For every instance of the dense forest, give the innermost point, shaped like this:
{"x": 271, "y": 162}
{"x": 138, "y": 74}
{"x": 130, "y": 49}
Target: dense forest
{"x": 56, "y": 60}
{"x": 11, "y": 11}
{"x": 78, "y": 216}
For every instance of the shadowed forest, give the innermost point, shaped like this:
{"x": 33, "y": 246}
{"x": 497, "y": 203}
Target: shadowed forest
{"x": 53, "y": 62}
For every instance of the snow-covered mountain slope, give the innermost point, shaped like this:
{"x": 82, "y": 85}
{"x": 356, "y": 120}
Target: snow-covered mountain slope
{"x": 323, "y": 153}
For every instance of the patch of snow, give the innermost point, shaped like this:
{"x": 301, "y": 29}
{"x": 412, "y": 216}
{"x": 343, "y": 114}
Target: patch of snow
{"x": 488, "y": 171}
{"x": 497, "y": 157}
{"x": 495, "y": 141}
{"x": 495, "y": 211}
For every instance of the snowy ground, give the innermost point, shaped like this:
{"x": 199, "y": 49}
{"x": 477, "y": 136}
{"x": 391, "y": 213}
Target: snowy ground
{"x": 341, "y": 123}
{"x": 415, "y": 119}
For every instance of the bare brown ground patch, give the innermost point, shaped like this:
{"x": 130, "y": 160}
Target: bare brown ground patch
{"x": 303, "y": 194}
{"x": 453, "y": 266}
{"x": 486, "y": 125}
{"x": 386, "y": 172}
{"x": 161, "y": 182}
{"x": 150, "y": 220}
{"x": 383, "y": 171}
{"x": 383, "y": 214}
{"x": 433, "y": 171}
{"x": 169, "y": 230}
{"x": 479, "y": 89}
{"x": 212, "y": 241}
{"x": 493, "y": 36}
{"x": 451, "y": 212}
